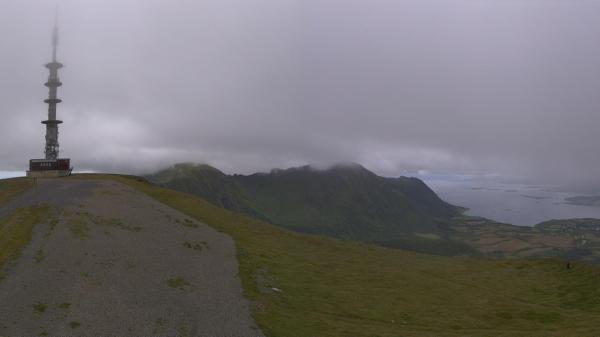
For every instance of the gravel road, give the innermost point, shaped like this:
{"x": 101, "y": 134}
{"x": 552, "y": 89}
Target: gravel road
{"x": 114, "y": 262}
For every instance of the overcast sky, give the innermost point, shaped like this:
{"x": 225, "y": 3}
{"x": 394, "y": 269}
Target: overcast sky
{"x": 447, "y": 86}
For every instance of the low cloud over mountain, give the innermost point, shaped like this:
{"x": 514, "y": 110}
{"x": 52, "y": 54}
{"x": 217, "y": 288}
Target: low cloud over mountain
{"x": 465, "y": 87}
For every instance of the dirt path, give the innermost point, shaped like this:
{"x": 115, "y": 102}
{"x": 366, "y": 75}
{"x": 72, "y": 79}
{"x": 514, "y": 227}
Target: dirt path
{"x": 115, "y": 262}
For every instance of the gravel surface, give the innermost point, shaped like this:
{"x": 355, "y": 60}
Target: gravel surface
{"x": 114, "y": 262}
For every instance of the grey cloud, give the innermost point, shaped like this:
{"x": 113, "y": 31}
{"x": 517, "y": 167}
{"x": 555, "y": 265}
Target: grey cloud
{"x": 463, "y": 86}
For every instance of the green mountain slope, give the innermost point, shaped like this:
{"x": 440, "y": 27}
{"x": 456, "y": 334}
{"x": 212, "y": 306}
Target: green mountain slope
{"x": 205, "y": 181}
{"x": 344, "y": 201}
{"x": 305, "y": 285}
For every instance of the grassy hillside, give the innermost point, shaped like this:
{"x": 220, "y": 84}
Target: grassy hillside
{"x": 344, "y": 201}
{"x": 304, "y": 285}
{"x": 208, "y": 182}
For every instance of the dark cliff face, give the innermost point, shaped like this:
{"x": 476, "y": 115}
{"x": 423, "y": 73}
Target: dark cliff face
{"x": 344, "y": 201}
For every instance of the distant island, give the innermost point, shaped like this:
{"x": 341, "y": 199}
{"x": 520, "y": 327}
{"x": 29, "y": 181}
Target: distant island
{"x": 533, "y": 197}
{"x": 584, "y": 201}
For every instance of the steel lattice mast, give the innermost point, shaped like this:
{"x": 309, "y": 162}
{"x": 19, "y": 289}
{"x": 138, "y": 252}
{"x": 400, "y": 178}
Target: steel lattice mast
{"x": 52, "y": 166}
{"x": 53, "y": 83}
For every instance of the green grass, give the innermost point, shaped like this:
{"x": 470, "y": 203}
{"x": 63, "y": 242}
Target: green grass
{"x": 328, "y": 287}
{"x": 179, "y": 283}
{"x": 10, "y": 188}
{"x": 40, "y": 308}
{"x": 16, "y": 230}
{"x": 17, "y": 227}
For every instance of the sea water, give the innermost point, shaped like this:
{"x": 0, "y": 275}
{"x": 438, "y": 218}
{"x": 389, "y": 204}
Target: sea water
{"x": 518, "y": 204}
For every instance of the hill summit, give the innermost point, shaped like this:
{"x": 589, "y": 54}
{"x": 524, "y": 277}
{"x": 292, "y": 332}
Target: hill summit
{"x": 344, "y": 201}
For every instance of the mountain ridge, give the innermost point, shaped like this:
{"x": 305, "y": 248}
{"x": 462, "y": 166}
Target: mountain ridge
{"x": 350, "y": 202}
{"x": 344, "y": 200}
